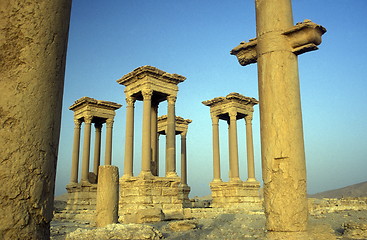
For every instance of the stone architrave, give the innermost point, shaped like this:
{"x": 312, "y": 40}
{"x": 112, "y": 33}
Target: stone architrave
{"x": 107, "y": 196}
{"x": 33, "y": 48}
{"x": 89, "y": 111}
{"x": 232, "y": 194}
{"x": 275, "y": 49}
{"x": 152, "y": 86}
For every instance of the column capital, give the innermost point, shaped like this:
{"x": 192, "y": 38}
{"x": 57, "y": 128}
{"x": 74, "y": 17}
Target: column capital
{"x": 183, "y": 134}
{"x": 98, "y": 126}
{"x": 88, "y": 119}
{"x": 147, "y": 93}
{"x": 232, "y": 113}
{"x": 215, "y": 119}
{"x": 109, "y": 122}
{"x": 171, "y": 99}
{"x": 77, "y": 123}
{"x": 130, "y": 101}
{"x": 248, "y": 118}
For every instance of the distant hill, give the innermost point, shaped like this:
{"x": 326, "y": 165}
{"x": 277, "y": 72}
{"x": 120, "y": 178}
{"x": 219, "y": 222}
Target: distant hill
{"x": 356, "y": 190}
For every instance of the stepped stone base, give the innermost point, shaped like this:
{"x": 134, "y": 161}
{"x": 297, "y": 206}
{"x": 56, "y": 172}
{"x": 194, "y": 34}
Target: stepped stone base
{"x": 81, "y": 204}
{"x": 146, "y": 192}
{"x": 244, "y": 195}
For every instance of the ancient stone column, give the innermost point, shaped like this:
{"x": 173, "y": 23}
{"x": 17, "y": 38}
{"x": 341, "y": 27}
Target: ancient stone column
{"x": 146, "y": 141}
{"x": 233, "y": 146}
{"x": 171, "y": 138}
{"x": 33, "y": 48}
{"x": 86, "y": 149}
{"x": 97, "y": 148}
{"x": 129, "y": 139}
{"x": 107, "y": 196}
{"x": 154, "y": 136}
{"x": 75, "y": 156}
{"x": 183, "y": 159}
{"x": 108, "y": 150}
{"x": 216, "y": 150}
{"x": 250, "y": 150}
{"x": 283, "y": 154}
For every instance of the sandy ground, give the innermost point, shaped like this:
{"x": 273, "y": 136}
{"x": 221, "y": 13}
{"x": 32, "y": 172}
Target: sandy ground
{"x": 228, "y": 226}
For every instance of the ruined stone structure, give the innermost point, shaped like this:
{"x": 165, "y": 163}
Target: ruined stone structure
{"x": 152, "y": 86}
{"x": 82, "y": 194}
{"x": 235, "y": 193}
{"x": 33, "y": 48}
{"x": 181, "y": 129}
{"x": 275, "y": 49}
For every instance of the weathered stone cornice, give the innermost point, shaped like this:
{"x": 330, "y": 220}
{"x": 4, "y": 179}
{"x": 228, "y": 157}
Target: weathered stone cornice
{"x": 232, "y": 97}
{"x": 91, "y": 101}
{"x": 149, "y": 71}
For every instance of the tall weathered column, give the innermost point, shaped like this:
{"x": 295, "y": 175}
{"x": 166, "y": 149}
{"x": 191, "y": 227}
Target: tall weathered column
{"x": 233, "y": 146}
{"x": 86, "y": 149}
{"x": 129, "y": 139}
{"x": 275, "y": 49}
{"x": 250, "y": 150}
{"x": 146, "y": 148}
{"x": 75, "y": 156}
{"x": 171, "y": 138}
{"x": 108, "y": 150}
{"x": 183, "y": 158}
{"x": 154, "y": 136}
{"x": 33, "y": 48}
{"x": 216, "y": 150}
{"x": 97, "y": 148}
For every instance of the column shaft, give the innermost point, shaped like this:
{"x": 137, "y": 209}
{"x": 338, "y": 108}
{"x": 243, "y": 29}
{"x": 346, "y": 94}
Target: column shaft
{"x": 183, "y": 159}
{"x": 154, "y": 136}
{"x": 146, "y": 148}
{"x": 75, "y": 156}
{"x": 250, "y": 150}
{"x": 216, "y": 149}
{"x": 233, "y": 148}
{"x": 86, "y": 149}
{"x": 108, "y": 150}
{"x": 129, "y": 138}
{"x": 97, "y": 148}
{"x": 171, "y": 138}
{"x": 282, "y": 144}
{"x": 33, "y": 51}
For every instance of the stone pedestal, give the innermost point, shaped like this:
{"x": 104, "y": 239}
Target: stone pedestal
{"x": 163, "y": 193}
{"x": 81, "y": 204}
{"x": 241, "y": 195}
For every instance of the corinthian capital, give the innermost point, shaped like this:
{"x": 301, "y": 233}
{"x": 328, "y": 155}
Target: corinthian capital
{"x": 88, "y": 119}
{"x": 109, "y": 122}
{"x": 130, "y": 101}
{"x": 147, "y": 93}
{"x": 171, "y": 99}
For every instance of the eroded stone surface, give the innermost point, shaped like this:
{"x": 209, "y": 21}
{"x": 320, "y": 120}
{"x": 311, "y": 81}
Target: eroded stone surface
{"x": 33, "y": 39}
{"x": 117, "y": 231}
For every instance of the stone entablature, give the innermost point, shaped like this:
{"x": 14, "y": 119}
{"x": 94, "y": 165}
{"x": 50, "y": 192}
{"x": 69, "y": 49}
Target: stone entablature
{"x": 181, "y": 125}
{"x": 222, "y": 106}
{"x": 147, "y": 77}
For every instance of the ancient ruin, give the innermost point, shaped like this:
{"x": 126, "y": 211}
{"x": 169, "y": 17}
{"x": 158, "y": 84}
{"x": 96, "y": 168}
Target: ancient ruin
{"x": 275, "y": 49}
{"x": 33, "y": 51}
{"x": 82, "y": 194}
{"x": 152, "y": 86}
{"x": 235, "y": 193}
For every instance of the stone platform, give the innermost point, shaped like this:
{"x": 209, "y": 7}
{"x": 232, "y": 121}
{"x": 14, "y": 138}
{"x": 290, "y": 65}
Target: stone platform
{"x": 239, "y": 194}
{"x": 148, "y": 192}
{"x": 81, "y": 204}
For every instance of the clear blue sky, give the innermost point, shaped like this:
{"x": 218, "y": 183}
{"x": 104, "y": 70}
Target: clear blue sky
{"x": 193, "y": 38}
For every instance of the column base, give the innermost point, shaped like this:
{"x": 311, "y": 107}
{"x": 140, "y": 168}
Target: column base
{"x": 237, "y": 179}
{"x": 252, "y": 180}
{"x": 146, "y": 175}
{"x": 159, "y": 193}
{"x": 236, "y": 195}
{"x": 171, "y": 175}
